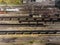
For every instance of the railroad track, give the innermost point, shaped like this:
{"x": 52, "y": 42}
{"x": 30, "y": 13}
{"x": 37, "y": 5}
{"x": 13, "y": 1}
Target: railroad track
{"x": 24, "y": 19}
{"x": 31, "y": 32}
{"x": 27, "y": 21}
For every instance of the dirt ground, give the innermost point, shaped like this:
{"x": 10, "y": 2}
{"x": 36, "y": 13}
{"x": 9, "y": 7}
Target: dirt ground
{"x": 28, "y": 39}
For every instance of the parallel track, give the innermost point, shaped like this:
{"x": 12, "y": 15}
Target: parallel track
{"x": 31, "y": 32}
{"x": 30, "y": 21}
